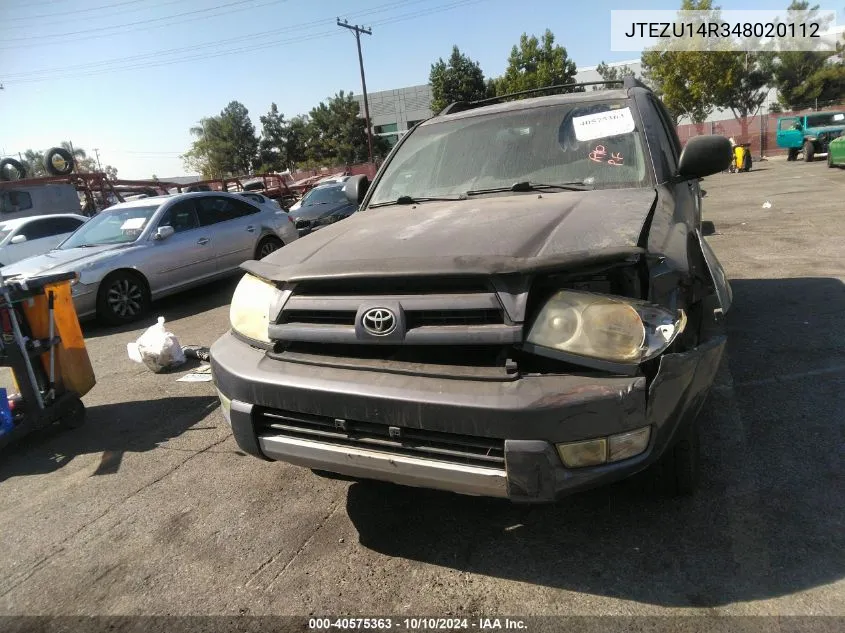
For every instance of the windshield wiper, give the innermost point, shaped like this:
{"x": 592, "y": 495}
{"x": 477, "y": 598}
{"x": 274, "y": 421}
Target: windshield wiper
{"x": 578, "y": 185}
{"x": 416, "y": 199}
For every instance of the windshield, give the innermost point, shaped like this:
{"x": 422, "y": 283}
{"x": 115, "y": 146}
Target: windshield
{"x": 828, "y": 118}
{"x": 324, "y": 195}
{"x": 594, "y": 143}
{"x": 117, "y": 225}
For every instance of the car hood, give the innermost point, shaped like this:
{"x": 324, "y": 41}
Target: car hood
{"x": 65, "y": 260}
{"x": 314, "y": 212}
{"x": 477, "y": 236}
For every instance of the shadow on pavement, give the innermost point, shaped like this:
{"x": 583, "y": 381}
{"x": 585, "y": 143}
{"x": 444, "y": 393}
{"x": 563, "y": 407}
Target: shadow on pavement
{"x": 767, "y": 521}
{"x": 179, "y": 306}
{"x": 111, "y": 429}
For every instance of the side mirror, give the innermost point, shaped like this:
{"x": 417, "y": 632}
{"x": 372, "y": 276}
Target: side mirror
{"x": 356, "y": 187}
{"x": 18, "y": 239}
{"x": 704, "y": 156}
{"x": 163, "y": 232}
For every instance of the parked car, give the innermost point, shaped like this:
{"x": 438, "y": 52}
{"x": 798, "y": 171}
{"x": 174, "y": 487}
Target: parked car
{"x": 541, "y": 319}
{"x": 330, "y": 180}
{"x": 810, "y": 133}
{"x": 836, "y": 152}
{"x": 261, "y": 200}
{"x": 323, "y": 205}
{"x": 135, "y": 252}
{"x": 27, "y": 237}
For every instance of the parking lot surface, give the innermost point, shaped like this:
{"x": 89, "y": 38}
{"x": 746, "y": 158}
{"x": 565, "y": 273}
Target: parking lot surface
{"x": 150, "y": 508}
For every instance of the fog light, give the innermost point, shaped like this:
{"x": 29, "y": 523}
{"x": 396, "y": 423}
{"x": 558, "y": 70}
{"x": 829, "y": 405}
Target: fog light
{"x": 630, "y": 444}
{"x": 580, "y": 454}
{"x": 225, "y": 406}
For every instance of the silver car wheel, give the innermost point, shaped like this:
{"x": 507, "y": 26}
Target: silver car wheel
{"x": 269, "y": 246}
{"x": 124, "y": 298}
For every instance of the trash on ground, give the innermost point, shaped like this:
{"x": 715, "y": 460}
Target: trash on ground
{"x": 157, "y": 348}
{"x": 198, "y": 352}
{"x": 767, "y": 205}
{"x": 202, "y": 374}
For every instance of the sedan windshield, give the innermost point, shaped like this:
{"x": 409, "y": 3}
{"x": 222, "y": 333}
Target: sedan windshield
{"x": 116, "y": 225}
{"x": 324, "y": 195}
{"x": 594, "y": 144}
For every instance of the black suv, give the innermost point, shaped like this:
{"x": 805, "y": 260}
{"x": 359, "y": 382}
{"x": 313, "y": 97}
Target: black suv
{"x": 523, "y": 307}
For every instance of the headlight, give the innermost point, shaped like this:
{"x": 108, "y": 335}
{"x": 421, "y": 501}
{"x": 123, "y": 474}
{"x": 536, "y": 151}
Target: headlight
{"x": 612, "y": 329}
{"x": 250, "y": 311}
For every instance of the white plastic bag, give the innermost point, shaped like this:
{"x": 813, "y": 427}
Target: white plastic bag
{"x": 157, "y": 348}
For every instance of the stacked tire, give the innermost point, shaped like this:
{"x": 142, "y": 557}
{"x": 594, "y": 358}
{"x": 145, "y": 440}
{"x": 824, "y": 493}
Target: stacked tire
{"x": 57, "y": 161}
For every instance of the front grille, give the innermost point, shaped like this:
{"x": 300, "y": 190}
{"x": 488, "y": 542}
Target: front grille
{"x": 429, "y": 312}
{"x": 447, "y": 447}
{"x": 443, "y": 318}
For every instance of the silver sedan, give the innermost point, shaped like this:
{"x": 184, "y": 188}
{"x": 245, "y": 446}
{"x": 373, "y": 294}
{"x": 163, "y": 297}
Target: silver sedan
{"x": 135, "y": 252}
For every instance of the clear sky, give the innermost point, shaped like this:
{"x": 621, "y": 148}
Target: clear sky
{"x": 130, "y": 77}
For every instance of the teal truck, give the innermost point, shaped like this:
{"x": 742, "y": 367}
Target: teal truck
{"x": 809, "y": 133}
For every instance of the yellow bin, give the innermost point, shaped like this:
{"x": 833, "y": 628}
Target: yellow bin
{"x": 73, "y": 365}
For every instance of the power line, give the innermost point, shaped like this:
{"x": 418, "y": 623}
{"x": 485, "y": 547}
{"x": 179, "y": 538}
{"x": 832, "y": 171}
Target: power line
{"x": 144, "y": 7}
{"x": 135, "y": 61}
{"x": 74, "y": 12}
{"x": 40, "y": 38}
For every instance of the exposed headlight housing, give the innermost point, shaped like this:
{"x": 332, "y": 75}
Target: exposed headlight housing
{"x": 604, "y": 328}
{"x": 249, "y": 314}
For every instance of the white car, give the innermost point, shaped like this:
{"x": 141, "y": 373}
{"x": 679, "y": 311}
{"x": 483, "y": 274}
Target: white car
{"x": 28, "y": 237}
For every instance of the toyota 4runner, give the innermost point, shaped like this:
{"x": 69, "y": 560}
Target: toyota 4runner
{"x": 523, "y": 307}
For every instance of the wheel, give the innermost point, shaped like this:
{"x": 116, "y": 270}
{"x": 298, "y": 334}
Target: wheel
{"x": 11, "y": 169}
{"x": 829, "y": 160}
{"x": 75, "y": 416}
{"x": 809, "y": 151}
{"x": 266, "y": 246}
{"x": 123, "y": 297}
{"x": 678, "y": 471}
{"x": 58, "y": 161}
{"x": 792, "y": 154}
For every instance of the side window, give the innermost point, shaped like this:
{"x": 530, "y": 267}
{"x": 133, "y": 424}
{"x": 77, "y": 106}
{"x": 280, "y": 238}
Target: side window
{"x": 667, "y": 135}
{"x": 13, "y": 201}
{"x": 181, "y": 216}
{"x": 241, "y": 208}
{"x": 211, "y": 210}
{"x": 65, "y": 225}
{"x": 37, "y": 229}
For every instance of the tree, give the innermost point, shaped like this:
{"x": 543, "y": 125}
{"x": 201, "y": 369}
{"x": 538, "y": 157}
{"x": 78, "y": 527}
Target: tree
{"x": 225, "y": 144}
{"x": 689, "y": 81}
{"x": 802, "y": 77}
{"x": 83, "y": 164}
{"x": 296, "y": 144}
{"x": 34, "y": 164}
{"x": 612, "y": 73}
{"x": 747, "y": 91}
{"x": 459, "y": 79}
{"x": 272, "y": 148}
{"x": 536, "y": 64}
{"x": 336, "y": 134}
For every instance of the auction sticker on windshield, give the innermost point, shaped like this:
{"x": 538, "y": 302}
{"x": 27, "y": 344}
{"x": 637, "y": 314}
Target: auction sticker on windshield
{"x": 133, "y": 223}
{"x": 603, "y": 124}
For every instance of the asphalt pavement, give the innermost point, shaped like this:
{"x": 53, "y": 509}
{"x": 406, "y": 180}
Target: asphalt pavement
{"x": 150, "y": 508}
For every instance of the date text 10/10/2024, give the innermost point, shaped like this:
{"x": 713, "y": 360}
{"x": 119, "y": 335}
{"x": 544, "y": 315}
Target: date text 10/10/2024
{"x": 416, "y": 624}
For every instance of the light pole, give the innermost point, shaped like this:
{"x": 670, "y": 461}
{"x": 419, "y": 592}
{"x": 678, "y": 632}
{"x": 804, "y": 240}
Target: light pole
{"x": 357, "y": 30}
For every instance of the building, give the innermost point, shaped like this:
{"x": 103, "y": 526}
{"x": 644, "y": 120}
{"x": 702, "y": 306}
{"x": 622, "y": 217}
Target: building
{"x": 394, "y": 112}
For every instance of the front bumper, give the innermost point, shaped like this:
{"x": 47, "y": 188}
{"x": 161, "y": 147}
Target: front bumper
{"x": 529, "y": 416}
{"x": 85, "y": 299}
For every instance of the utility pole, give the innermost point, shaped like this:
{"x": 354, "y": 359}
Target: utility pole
{"x": 357, "y": 30}
{"x": 97, "y": 154}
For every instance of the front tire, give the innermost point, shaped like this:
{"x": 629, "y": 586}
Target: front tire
{"x": 266, "y": 246}
{"x": 809, "y": 151}
{"x": 123, "y": 297}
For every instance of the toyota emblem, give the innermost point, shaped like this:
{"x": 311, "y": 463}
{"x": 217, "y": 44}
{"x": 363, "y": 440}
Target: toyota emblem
{"x": 379, "y": 321}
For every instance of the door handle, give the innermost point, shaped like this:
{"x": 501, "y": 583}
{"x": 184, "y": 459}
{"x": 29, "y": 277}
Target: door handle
{"x": 203, "y": 241}
{"x": 250, "y": 228}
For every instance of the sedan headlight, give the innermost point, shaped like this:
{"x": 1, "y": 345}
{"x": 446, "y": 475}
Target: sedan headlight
{"x": 250, "y": 310}
{"x": 613, "y": 329}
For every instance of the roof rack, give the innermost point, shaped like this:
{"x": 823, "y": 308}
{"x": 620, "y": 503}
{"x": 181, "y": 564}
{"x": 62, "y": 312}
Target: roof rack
{"x": 627, "y": 82}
